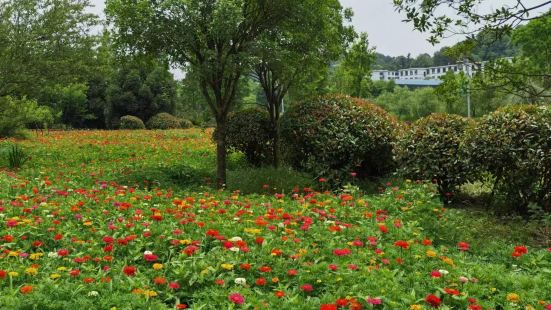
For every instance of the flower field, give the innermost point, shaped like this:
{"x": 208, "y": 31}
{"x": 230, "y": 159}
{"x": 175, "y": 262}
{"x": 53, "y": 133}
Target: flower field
{"x": 93, "y": 221}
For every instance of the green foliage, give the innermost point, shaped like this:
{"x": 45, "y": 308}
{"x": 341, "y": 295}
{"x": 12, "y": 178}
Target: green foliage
{"x": 70, "y": 102}
{"x": 335, "y": 135}
{"x": 514, "y": 144}
{"x": 410, "y": 105}
{"x": 185, "y": 123}
{"x": 16, "y": 156}
{"x": 142, "y": 88}
{"x": 429, "y": 150}
{"x": 45, "y": 43}
{"x": 163, "y": 121}
{"x": 353, "y": 73}
{"x": 268, "y": 180}
{"x": 131, "y": 122}
{"x": 249, "y": 131}
{"x": 16, "y": 115}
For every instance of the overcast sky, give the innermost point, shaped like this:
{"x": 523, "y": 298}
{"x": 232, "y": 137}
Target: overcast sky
{"x": 385, "y": 28}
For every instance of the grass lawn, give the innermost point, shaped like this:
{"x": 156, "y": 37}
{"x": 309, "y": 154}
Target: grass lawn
{"x": 129, "y": 220}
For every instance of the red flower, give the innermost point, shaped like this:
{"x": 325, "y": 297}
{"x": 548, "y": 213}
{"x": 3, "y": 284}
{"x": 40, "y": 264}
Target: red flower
{"x": 333, "y": 267}
{"x": 463, "y": 246}
{"x": 519, "y": 251}
{"x": 260, "y": 281}
{"x": 451, "y": 291}
{"x": 342, "y": 252}
{"x": 3, "y": 274}
{"x": 159, "y": 280}
{"x": 265, "y": 269}
{"x": 427, "y": 242}
{"x": 181, "y": 306}
{"x": 307, "y": 288}
{"x": 433, "y": 300}
{"x": 435, "y": 274}
{"x": 174, "y": 285}
{"x": 63, "y": 252}
{"x": 401, "y": 243}
{"x": 341, "y": 302}
{"x": 328, "y": 307}
{"x": 74, "y": 272}
{"x": 150, "y": 257}
{"x": 129, "y": 271}
{"x": 292, "y": 272}
{"x": 236, "y": 298}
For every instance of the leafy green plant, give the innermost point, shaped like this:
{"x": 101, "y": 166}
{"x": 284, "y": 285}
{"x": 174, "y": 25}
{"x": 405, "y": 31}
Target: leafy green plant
{"x": 163, "y": 121}
{"x": 248, "y": 131}
{"x": 17, "y": 114}
{"x": 334, "y": 136}
{"x": 514, "y": 145}
{"x": 429, "y": 150}
{"x": 17, "y": 156}
{"x": 131, "y": 122}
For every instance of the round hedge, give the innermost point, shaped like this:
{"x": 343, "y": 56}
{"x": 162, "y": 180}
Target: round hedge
{"x": 514, "y": 145}
{"x": 185, "y": 123}
{"x": 429, "y": 150}
{"x": 131, "y": 122}
{"x": 248, "y": 131}
{"x": 333, "y": 136}
{"x": 163, "y": 121}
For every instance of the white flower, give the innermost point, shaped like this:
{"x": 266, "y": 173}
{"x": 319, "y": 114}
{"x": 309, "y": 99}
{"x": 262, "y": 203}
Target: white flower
{"x": 235, "y": 239}
{"x": 93, "y": 293}
{"x": 240, "y": 281}
{"x": 443, "y": 271}
{"x": 52, "y": 255}
{"x": 234, "y": 249}
{"x": 147, "y": 253}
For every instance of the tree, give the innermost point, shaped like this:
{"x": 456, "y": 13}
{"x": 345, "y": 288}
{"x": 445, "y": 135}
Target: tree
{"x": 142, "y": 88}
{"x": 17, "y": 114}
{"x": 465, "y": 17}
{"x": 214, "y": 37}
{"x": 44, "y": 43}
{"x": 288, "y": 55}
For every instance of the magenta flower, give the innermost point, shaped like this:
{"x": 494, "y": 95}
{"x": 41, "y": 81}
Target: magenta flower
{"x": 236, "y": 298}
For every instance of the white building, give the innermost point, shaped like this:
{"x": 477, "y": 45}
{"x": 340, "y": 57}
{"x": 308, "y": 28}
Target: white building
{"x": 430, "y": 73}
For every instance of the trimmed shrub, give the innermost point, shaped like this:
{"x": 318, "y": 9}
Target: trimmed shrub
{"x": 248, "y": 131}
{"x": 429, "y": 150}
{"x": 163, "y": 121}
{"x": 185, "y": 123}
{"x": 514, "y": 145}
{"x": 335, "y": 135}
{"x": 131, "y": 122}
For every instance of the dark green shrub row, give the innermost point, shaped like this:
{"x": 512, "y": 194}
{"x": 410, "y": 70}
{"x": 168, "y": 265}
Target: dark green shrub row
{"x": 334, "y": 136}
{"x": 513, "y": 144}
{"x": 158, "y": 121}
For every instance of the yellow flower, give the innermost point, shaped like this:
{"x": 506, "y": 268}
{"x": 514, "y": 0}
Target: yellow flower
{"x": 36, "y": 256}
{"x": 431, "y": 253}
{"x": 150, "y": 293}
{"x": 253, "y": 231}
{"x": 61, "y": 268}
{"x": 227, "y": 266}
{"x": 13, "y": 273}
{"x": 529, "y": 307}
{"x": 157, "y": 266}
{"x": 448, "y": 261}
{"x": 13, "y": 254}
{"x": 185, "y": 241}
{"x": 31, "y": 271}
{"x": 416, "y": 307}
{"x": 513, "y": 297}
{"x": 54, "y": 276}
{"x": 87, "y": 223}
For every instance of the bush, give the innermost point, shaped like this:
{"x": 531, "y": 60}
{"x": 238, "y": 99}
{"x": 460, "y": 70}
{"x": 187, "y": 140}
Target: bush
{"x": 429, "y": 150}
{"x": 248, "y": 131}
{"x": 514, "y": 144}
{"x": 16, "y": 115}
{"x": 185, "y": 123}
{"x": 163, "y": 121}
{"x": 131, "y": 122}
{"x": 16, "y": 156}
{"x": 335, "y": 135}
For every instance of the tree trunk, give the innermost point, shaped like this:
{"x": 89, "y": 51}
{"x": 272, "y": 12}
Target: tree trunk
{"x": 221, "y": 154}
{"x": 275, "y": 146}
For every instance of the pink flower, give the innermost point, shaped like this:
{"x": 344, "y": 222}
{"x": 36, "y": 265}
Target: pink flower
{"x": 374, "y": 301}
{"x": 236, "y": 298}
{"x": 333, "y": 267}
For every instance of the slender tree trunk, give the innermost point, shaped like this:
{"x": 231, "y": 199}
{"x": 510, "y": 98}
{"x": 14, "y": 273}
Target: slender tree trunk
{"x": 221, "y": 153}
{"x": 275, "y": 150}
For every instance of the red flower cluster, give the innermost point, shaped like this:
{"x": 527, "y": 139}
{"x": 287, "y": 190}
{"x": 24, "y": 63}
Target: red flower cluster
{"x": 519, "y": 251}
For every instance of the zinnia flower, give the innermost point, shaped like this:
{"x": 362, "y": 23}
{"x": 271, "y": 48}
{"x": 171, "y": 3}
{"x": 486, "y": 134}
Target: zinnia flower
{"x": 236, "y": 298}
{"x": 433, "y": 300}
{"x": 129, "y": 271}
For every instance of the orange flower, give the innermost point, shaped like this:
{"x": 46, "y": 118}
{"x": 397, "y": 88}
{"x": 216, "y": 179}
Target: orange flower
{"x": 26, "y": 289}
{"x": 279, "y": 294}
